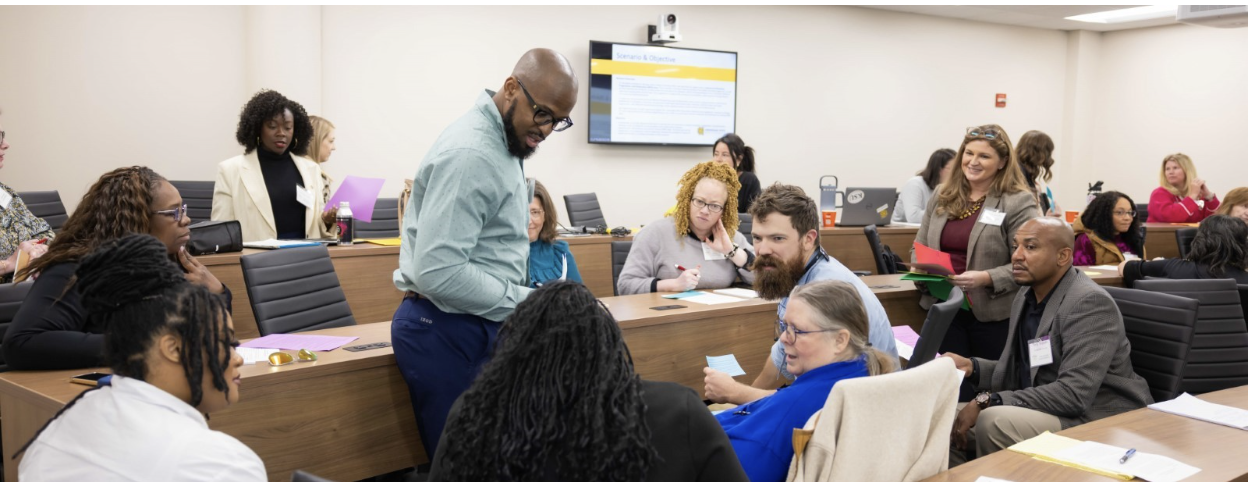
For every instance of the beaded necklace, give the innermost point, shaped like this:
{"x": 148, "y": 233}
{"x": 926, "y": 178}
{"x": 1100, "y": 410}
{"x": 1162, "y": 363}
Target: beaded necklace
{"x": 971, "y": 210}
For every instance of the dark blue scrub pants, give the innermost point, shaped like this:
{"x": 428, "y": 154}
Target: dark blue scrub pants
{"x": 439, "y": 355}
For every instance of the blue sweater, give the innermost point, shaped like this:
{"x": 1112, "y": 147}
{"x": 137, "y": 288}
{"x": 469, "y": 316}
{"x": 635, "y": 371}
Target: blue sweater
{"x": 761, "y": 431}
{"x": 546, "y": 262}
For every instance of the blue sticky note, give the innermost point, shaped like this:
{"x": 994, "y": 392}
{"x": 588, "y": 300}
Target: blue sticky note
{"x": 726, "y": 363}
{"x": 683, "y": 294}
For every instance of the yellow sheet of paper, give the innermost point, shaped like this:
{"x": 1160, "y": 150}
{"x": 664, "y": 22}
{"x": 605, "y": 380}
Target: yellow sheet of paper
{"x": 383, "y": 241}
{"x": 1045, "y": 447}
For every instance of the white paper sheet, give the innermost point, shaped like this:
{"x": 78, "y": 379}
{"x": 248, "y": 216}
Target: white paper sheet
{"x": 1192, "y": 407}
{"x": 725, "y": 363}
{"x": 713, "y": 299}
{"x": 1150, "y": 467}
{"x": 255, "y": 355}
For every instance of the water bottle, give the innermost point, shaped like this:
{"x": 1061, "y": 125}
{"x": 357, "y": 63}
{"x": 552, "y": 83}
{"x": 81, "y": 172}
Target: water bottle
{"x": 346, "y": 224}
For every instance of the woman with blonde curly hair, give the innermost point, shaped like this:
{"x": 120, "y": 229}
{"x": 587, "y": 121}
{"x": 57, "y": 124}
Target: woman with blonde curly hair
{"x": 697, "y": 246}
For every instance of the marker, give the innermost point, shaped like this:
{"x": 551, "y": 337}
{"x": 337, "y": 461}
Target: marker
{"x": 679, "y": 267}
{"x": 1126, "y": 456}
{"x": 42, "y": 241}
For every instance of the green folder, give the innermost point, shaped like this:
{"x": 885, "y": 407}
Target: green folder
{"x": 939, "y": 286}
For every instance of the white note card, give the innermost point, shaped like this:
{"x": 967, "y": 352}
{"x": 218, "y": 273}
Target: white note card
{"x": 255, "y": 355}
{"x": 726, "y": 363}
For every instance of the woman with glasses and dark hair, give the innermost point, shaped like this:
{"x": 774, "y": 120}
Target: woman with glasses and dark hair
{"x": 1219, "y": 250}
{"x": 560, "y": 401}
{"x": 697, "y": 245}
{"x": 173, "y": 362}
{"x": 915, "y": 194}
{"x": 1108, "y": 231}
{"x": 52, "y": 329}
{"x": 550, "y": 259}
{"x": 271, "y": 189}
{"x": 731, "y": 150}
{"x": 22, "y": 230}
{"x": 824, "y": 332}
{"x": 973, "y": 217}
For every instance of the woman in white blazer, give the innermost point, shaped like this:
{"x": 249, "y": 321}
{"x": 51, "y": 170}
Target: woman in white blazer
{"x": 272, "y": 189}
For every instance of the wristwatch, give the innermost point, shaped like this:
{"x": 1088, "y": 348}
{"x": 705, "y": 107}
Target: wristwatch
{"x": 983, "y": 400}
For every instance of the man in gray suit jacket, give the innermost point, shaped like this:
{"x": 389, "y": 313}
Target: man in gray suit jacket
{"x": 1066, "y": 360}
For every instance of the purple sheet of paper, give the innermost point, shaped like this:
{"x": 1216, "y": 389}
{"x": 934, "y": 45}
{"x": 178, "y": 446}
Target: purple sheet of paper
{"x": 906, "y": 335}
{"x": 361, "y": 192}
{"x": 295, "y": 342}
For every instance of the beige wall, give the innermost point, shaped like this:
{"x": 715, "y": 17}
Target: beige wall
{"x": 859, "y": 93}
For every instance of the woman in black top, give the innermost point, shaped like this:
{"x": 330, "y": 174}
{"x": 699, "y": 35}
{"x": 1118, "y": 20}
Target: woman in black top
{"x": 731, "y": 150}
{"x": 560, "y": 401}
{"x": 1220, "y": 250}
{"x": 51, "y": 330}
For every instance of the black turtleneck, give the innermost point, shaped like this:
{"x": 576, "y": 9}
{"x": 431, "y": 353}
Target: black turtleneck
{"x": 280, "y": 178}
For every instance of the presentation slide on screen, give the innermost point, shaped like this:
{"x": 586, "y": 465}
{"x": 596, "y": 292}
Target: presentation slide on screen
{"x": 659, "y": 95}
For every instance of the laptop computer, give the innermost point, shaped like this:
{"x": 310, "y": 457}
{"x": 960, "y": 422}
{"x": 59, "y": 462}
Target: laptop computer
{"x": 867, "y": 205}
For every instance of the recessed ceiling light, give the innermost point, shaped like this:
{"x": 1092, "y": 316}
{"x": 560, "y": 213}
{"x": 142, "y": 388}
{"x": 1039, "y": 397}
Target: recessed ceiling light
{"x": 1133, "y": 14}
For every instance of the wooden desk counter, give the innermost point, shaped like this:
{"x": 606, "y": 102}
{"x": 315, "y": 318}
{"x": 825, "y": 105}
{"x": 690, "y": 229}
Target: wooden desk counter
{"x": 1160, "y": 241}
{"x": 593, "y": 259}
{"x": 346, "y": 416}
{"x": 672, "y": 345}
{"x": 1215, "y": 449}
{"x": 849, "y": 244}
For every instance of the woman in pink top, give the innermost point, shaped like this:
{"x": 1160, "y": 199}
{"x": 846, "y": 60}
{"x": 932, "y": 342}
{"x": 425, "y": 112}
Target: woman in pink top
{"x": 1176, "y": 201}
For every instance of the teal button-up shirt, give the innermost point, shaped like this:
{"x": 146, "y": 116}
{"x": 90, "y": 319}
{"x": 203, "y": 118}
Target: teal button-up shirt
{"x": 465, "y": 231}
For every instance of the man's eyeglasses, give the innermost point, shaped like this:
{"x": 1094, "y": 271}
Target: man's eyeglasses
{"x": 1129, "y": 214}
{"x": 176, "y": 214}
{"x": 981, "y": 132}
{"x": 782, "y": 328}
{"x": 712, "y": 207}
{"x": 542, "y": 117}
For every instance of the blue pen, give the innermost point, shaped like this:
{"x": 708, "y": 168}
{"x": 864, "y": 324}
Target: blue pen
{"x": 1126, "y": 456}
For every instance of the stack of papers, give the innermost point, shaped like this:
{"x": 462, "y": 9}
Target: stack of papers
{"x": 703, "y": 297}
{"x": 255, "y": 355}
{"x": 738, "y": 292}
{"x": 726, "y": 363}
{"x": 906, "y": 340}
{"x": 1192, "y": 407}
{"x": 1102, "y": 459}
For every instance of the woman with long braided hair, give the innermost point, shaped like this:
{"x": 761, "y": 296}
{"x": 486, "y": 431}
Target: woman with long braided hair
{"x": 51, "y": 331}
{"x": 172, "y": 355}
{"x": 560, "y": 401}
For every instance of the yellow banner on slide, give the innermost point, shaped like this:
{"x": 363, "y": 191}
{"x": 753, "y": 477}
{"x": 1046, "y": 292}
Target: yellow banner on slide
{"x": 613, "y": 67}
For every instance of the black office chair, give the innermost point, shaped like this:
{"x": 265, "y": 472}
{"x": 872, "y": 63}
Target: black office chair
{"x": 1219, "y": 355}
{"x": 883, "y": 265}
{"x": 295, "y": 289}
{"x": 1141, "y": 212}
{"x": 11, "y": 296}
{"x": 939, "y": 317}
{"x": 385, "y": 221}
{"x": 583, "y": 210}
{"x": 197, "y": 195}
{"x": 745, "y": 225}
{"x": 1160, "y": 328}
{"x": 619, "y": 254}
{"x": 1243, "y": 302}
{"x": 46, "y": 205}
{"x": 1184, "y": 237}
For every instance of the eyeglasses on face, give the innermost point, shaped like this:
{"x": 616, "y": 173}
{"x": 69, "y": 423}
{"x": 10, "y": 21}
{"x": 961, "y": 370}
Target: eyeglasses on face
{"x": 1128, "y": 214}
{"x": 176, "y": 214}
{"x": 783, "y": 328}
{"x": 981, "y": 132}
{"x": 712, "y": 207}
{"x": 541, "y": 116}
{"x": 536, "y": 213}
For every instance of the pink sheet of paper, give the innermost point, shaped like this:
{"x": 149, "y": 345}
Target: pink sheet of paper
{"x": 935, "y": 262}
{"x": 906, "y": 335}
{"x": 361, "y": 192}
{"x": 295, "y": 342}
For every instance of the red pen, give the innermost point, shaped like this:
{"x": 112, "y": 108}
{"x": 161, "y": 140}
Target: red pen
{"x": 679, "y": 267}
{"x": 41, "y": 241}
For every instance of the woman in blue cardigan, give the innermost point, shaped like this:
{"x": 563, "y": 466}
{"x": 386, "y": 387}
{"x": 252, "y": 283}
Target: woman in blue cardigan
{"x": 549, "y": 258}
{"x": 824, "y": 332}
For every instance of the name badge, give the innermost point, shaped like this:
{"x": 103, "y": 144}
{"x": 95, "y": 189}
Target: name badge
{"x": 992, "y": 216}
{"x": 5, "y": 199}
{"x": 1040, "y": 352}
{"x": 710, "y": 254}
{"x": 304, "y": 196}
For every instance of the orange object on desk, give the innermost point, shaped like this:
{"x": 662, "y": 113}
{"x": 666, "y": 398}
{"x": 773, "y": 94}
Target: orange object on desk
{"x": 829, "y": 219}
